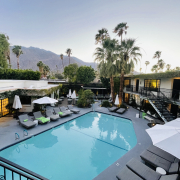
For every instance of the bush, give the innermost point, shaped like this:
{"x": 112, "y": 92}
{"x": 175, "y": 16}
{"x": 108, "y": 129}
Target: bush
{"x": 19, "y": 74}
{"x": 106, "y": 104}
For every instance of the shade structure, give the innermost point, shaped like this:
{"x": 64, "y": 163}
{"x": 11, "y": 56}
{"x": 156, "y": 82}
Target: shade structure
{"x": 167, "y": 137}
{"x": 69, "y": 92}
{"x": 73, "y": 96}
{"x": 45, "y": 100}
{"x": 17, "y": 102}
{"x": 117, "y": 100}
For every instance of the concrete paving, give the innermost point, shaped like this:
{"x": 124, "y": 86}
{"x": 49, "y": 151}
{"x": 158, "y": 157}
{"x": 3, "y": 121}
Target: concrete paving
{"x": 9, "y": 126}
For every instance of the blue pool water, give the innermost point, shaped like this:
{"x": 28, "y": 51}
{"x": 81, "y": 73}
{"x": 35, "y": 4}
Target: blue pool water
{"x": 79, "y": 149}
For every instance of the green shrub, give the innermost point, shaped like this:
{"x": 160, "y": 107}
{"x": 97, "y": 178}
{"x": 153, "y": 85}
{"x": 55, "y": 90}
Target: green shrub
{"x": 105, "y": 104}
{"x": 123, "y": 106}
{"x": 19, "y": 74}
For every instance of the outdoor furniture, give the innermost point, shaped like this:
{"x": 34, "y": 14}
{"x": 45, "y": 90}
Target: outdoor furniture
{"x": 156, "y": 161}
{"x": 64, "y": 110}
{"x": 163, "y": 154}
{"x": 149, "y": 119}
{"x": 62, "y": 97}
{"x": 25, "y": 121}
{"x": 41, "y": 119}
{"x": 136, "y": 170}
{"x": 61, "y": 114}
{"x": 121, "y": 110}
{"x": 60, "y": 101}
{"x": 51, "y": 115}
{"x": 69, "y": 101}
{"x": 74, "y": 110}
{"x": 113, "y": 109}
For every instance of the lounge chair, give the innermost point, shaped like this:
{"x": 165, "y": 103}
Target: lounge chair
{"x": 51, "y": 115}
{"x": 156, "y": 161}
{"x": 121, "y": 110}
{"x": 61, "y": 114}
{"x": 41, "y": 119}
{"x": 64, "y": 110}
{"x": 137, "y": 170}
{"x": 113, "y": 109}
{"x": 25, "y": 121}
{"x": 74, "y": 110}
{"x": 163, "y": 154}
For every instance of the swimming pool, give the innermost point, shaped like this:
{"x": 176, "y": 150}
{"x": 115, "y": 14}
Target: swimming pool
{"x": 79, "y": 149}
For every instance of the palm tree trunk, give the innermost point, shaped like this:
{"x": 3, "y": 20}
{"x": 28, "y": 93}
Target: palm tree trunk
{"x": 121, "y": 87}
{"x": 146, "y": 67}
{"x": 121, "y": 39}
{"x": 112, "y": 88}
{"x": 18, "y": 62}
{"x": 62, "y": 64}
{"x": 69, "y": 59}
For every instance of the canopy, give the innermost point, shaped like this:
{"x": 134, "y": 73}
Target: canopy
{"x": 45, "y": 100}
{"x": 69, "y": 92}
{"x": 17, "y": 103}
{"x": 73, "y": 96}
{"x": 167, "y": 137}
{"x": 117, "y": 100}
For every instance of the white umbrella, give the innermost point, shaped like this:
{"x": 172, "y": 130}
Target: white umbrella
{"x": 117, "y": 100}
{"x": 69, "y": 92}
{"x": 17, "y": 103}
{"x": 167, "y": 137}
{"x": 110, "y": 95}
{"x": 45, "y": 100}
{"x": 73, "y": 96}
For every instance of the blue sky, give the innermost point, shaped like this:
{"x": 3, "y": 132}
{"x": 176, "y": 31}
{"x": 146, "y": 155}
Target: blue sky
{"x": 56, "y": 25}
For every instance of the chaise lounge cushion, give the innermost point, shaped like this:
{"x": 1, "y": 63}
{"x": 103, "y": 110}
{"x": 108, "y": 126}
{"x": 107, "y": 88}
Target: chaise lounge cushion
{"x": 27, "y": 124}
{"x": 113, "y": 109}
{"x": 74, "y": 110}
{"x": 121, "y": 110}
{"x": 170, "y": 177}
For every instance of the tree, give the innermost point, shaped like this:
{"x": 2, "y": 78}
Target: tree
{"x": 62, "y": 56}
{"x": 46, "y": 70}
{"x": 157, "y": 55}
{"x": 168, "y": 67}
{"x": 121, "y": 29}
{"x": 177, "y": 68}
{"x": 129, "y": 53}
{"x": 40, "y": 66}
{"x": 107, "y": 56}
{"x": 161, "y": 64}
{"x": 17, "y": 51}
{"x": 154, "y": 68}
{"x": 59, "y": 76}
{"x": 85, "y": 74}
{"x": 102, "y": 34}
{"x": 147, "y": 63}
{"x": 4, "y": 49}
{"x": 70, "y": 72}
{"x": 69, "y": 52}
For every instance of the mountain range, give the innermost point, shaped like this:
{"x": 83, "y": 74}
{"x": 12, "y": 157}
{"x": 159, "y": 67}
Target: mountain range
{"x": 32, "y": 55}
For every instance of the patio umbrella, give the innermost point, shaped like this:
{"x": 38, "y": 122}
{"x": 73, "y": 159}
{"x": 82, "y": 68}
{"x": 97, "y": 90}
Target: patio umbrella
{"x": 73, "y": 96}
{"x": 117, "y": 100}
{"x": 69, "y": 93}
{"x": 17, "y": 103}
{"x": 45, "y": 100}
{"x": 167, "y": 137}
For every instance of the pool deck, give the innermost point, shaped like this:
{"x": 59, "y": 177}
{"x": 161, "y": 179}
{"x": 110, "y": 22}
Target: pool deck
{"x": 9, "y": 126}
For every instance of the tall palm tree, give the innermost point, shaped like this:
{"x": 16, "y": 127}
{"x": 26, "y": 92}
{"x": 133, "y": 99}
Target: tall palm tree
{"x": 161, "y": 64}
{"x": 17, "y": 51}
{"x": 154, "y": 68}
{"x": 157, "y": 55}
{"x": 102, "y": 34}
{"x": 129, "y": 54}
{"x": 7, "y": 53}
{"x": 107, "y": 56}
{"x": 168, "y": 67}
{"x": 41, "y": 66}
{"x": 62, "y": 56}
{"x": 69, "y": 52}
{"x": 121, "y": 29}
{"x": 147, "y": 63}
{"x": 46, "y": 70}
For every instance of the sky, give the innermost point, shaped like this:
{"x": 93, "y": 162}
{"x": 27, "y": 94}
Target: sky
{"x": 56, "y": 25}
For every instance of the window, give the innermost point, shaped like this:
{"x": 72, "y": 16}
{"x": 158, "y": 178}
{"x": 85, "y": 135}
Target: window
{"x": 152, "y": 84}
{"x": 25, "y": 99}
{"x": 127, "y": 82}
{"x": 3, "y": 104}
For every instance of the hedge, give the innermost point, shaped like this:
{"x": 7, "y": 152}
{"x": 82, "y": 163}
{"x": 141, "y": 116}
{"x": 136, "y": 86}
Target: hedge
{"x": 19, "y": 74}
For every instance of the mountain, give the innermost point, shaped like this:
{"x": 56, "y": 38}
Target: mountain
{"x": 32, "y": 55}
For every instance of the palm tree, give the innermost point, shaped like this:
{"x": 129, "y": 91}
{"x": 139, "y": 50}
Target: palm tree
{"x": 17, "y": 51}
{"x": 157, "y": 55}
{"x": 7, "y": 53}
{"x": 102, "y": 34}
{"x": 161, "y": 64}
{"x": 69, "y": 52}
{"x": 62, "y": 56}
{"x": 46, "y": 70}
{"x": 107, "y": 56}
{"x": 121, "y": 29}
{"x": 41, "y": 66}
{"x": 154, "y": 68}
{"x": 129, "y": 53}
{"x": 168, "y": 66}
{"x": 147, "y": 63}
